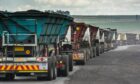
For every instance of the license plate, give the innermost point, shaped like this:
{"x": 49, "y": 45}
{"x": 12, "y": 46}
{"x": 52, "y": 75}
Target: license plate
{"x": 43, "y": 66}
{"x": 19, "y": 48}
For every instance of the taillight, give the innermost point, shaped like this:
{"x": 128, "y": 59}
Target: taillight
{"x": 42, "y": 59}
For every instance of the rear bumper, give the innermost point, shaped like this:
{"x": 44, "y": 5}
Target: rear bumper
{"x": 24, "y": 73}
{"x": 78, "y": 59}
{"x": 15, "y": 72}
{"x": 40, "y": 71}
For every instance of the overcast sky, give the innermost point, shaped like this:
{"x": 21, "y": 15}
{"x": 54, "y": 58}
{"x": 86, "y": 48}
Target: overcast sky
{"x": 76, "y": 7}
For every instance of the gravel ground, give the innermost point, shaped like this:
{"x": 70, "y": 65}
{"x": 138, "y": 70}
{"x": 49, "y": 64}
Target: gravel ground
{"x": 119, "y": 66}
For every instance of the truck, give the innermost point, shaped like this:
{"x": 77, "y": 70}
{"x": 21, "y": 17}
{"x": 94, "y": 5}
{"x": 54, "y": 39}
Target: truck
{"x": 122, "y": 39}
{"x": 66, "y": 48}
{"x": 110, "y": 38}
{"x": 113, "y": 36}
{"x": 102, "y": 41}
{"x": 128, "y": 39}
{"x": 81, "y": 43}
{"x": 137, "y": 38}
{"x": 96, "y": 42}
{"x": 31, "y": 44}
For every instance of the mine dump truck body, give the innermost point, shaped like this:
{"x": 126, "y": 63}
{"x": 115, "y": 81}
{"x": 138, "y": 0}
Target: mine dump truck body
{"x": 122, "y": 39}
{"x": 113, "y": 38}
{"x": 127, "y": 39}
{"x": 107, "y": 43}
{"x": 81, "y": 43}
{"x": 137, "y": 38}
{"x": 95, "y": 40}
{"x": 102, "y": 41}
{"x": 30, "y": 44}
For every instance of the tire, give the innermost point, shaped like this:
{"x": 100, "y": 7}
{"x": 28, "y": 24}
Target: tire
{"x": 97, "y": 49}
{"x": 50, "y": 69}
{"x": 100, "y": 47}
{"x": 54, "y": 72}
{"x": 83, "y": 62}
{"x": 70, "y": 62}
{"x": 94, "y": 52}
{"x": 91, "y": 53}
{"x": 65, "y": 72}
{"x": 103, "y": 48}
{"x": 86, "y": 55}
{"x": 54, "y": 67}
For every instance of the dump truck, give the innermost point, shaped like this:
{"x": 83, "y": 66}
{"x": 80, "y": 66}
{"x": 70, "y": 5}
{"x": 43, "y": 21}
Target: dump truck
{"x": 81, "y": 43}
{"x": 138, "y": 39}
{"x": 66, "y": 48}
{"x": 110, "y": 36}
{"x": 102, "y": 41}
{"x": 96, "y": 42}
{"x": 128, "y": 39}
{"x": 122, "y": 39}
{"x": 113, "y": 36}
{"x": 31, "y": 44}
{"x": 107, "y": 36}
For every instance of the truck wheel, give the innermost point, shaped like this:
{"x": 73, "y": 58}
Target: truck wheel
{"x": 94, "y": 52}
{"x": 70, "y": 63}
{"x": 9, "y": 77}
{"x": 86, "y": 55}
{"x": 83, "y": 62}
{"x": 91, "y": 54}
{"x": 66, "y": 67}
{"x": 50, "y": 69}
{"x": 100, "y": 47}
{"x": 103, "y": 48}
{"x": 97, "y": 49}
{"x": 55, "y": 72}
{"x": 54, "y": 67}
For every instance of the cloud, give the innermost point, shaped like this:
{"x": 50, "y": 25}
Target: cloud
{"x": 64, "y": 3}
{"x": 84, "y": 7}
{"x": 109, "y": 7}
{"x": 1, "y": 8}
{"x": 25, "y": 7}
